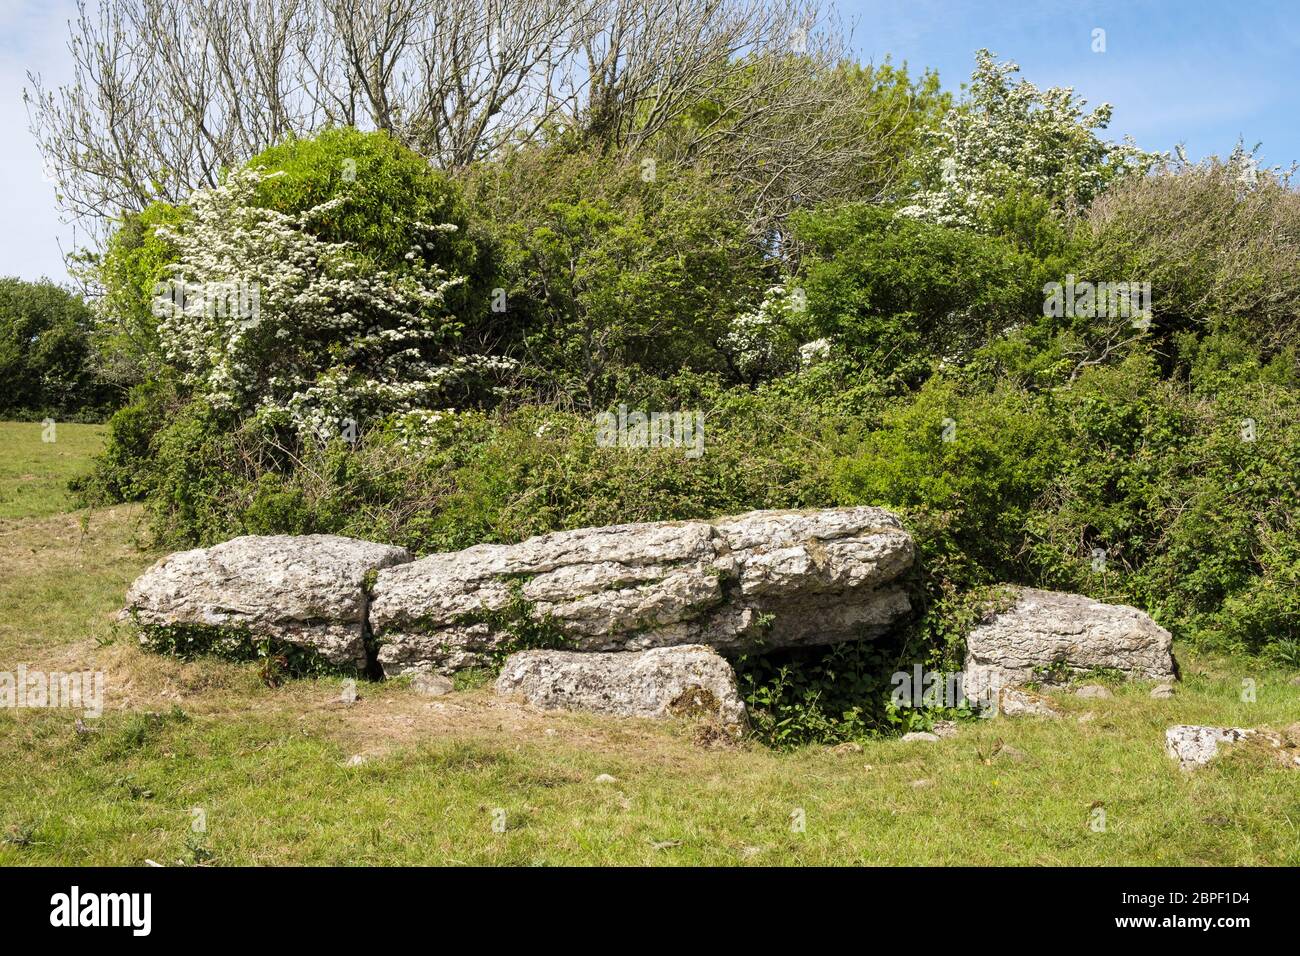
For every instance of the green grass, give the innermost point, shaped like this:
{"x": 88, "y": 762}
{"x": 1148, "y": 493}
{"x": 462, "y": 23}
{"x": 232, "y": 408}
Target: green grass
{"x": 36, "y": 463}
{"x": 269, "y": 767}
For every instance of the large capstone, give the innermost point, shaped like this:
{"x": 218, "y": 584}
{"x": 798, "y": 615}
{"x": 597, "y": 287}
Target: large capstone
{"x": 759, "y": 581}
{"x": 307, "y": 590}
{"x": 1045, "y": 634}
{"x": 689, "y": 681}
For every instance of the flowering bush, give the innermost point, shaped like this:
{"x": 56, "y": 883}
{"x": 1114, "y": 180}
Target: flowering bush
{"x": 265, "y": 319}
{"x": 763, "y": 343}
{"x": 1008, "y": 136}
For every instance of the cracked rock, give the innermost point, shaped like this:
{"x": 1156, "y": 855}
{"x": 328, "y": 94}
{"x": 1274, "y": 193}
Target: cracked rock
{"x": 1194, "y": 746}
{"x": 762, "y": 580}
{"x": 307, "y": 590}
{"x": 1047, "y": 630}
{"x": 691, "y": 681}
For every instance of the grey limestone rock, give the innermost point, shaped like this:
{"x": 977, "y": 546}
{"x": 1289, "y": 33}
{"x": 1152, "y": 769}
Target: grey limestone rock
{"x": 758, "y": 581}
{"x": 1042, "y": 630}
{"x": 690, "y": 680}
{"x": 308, "y": 590}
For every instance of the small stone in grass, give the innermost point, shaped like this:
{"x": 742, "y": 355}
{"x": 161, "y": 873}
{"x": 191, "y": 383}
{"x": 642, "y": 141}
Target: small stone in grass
{"x": 1162, "y": 691}
{"x": 1093, "y": 690}
{"x": 432, "y": 685}
{"x": 606, "y": 778}
{"x": 944, "y": 729}
{"x": 1018, "y": 703}
{"x": 919, "y": 735}
{"x": 1008, "y": 752}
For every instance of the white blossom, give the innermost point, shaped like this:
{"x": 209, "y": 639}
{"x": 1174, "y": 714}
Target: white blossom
{"x": 327, "y": 338}
{"x": 761, "y": 342}
{"x": 1012, "y": 133}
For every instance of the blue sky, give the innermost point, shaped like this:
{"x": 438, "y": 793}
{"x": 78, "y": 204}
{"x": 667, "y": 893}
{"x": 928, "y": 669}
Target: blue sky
{"x": 1201, "y": 72}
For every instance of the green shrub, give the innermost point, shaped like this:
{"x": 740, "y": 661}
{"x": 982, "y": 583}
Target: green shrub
{"x": 1218, "y": 241}
{"x": 1126, "y": 486}
{"x": 900, "y": 295}
{"x": 389, "y": 190}
{"x": 475, "y": 477}
{"x": 607, "y": 270}
{"x": 46, "y": 362}
{"x": 124, "y": 470}
{"x": 136, "y": 259}
{"x": 277, "y": 659}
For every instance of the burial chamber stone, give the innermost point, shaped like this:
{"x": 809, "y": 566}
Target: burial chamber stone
{"x": 755, "y": 582}
{"x": 688, "y": 680}
{"x": 308, "y": 590}
{"x": 1045, "y": 631}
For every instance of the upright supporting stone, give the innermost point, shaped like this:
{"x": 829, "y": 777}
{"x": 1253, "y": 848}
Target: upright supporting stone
{"x": 1044, "y": 633}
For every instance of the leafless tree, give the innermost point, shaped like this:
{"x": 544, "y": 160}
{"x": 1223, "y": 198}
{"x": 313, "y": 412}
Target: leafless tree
{"x": 166, "y": 94}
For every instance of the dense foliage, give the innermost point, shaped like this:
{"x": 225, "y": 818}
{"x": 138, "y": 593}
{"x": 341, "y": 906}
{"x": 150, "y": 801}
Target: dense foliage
{"x": 47, "y": 362}
{"x": 891, "y": 348}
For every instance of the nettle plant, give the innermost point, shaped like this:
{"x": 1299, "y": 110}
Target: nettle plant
{"x": 267, "y": 320}
{"x": 1008, "y": 136}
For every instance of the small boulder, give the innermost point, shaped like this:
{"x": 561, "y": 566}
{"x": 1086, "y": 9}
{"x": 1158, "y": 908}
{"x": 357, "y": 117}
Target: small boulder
{"x": 1020, "y": 703}
{"x": 690, "y": 681}
{"x": 431, "y": 685}
{"x": 1094, "y": 691}
{"x": 1162, "y": 692}
{"x": 1046, "y": 631}
{"x": 1195, "y": 746}
{"x": 945, "y": 729}
{"x": 1005, "y": 751}
{"x": 921, "y": 735}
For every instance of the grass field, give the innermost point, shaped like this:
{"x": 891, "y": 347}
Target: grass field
{"x": 293, "y": 775}
{"x": 36, "y": 463}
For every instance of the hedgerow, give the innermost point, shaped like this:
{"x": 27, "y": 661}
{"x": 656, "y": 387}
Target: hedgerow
{"x": 895, "y": 353}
